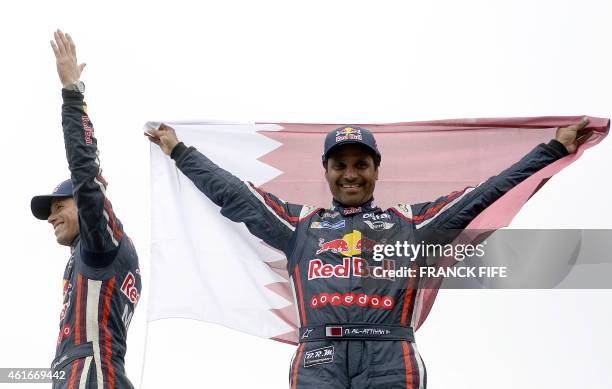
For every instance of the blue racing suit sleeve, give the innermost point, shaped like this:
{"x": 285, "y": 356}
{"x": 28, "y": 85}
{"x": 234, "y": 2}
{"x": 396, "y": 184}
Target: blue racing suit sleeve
{"x": 456, "y": 210}
{"x": 266, "y": 216}
{"x": 100, "y": 231}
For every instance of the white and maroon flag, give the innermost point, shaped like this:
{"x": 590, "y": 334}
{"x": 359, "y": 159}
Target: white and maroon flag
{"x": 208, "y": 268}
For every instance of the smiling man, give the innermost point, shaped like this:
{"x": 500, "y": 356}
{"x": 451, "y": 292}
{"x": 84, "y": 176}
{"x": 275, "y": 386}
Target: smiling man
{"x": 351, "y": 170}
{"x": 102, "y": 280}
{"x": 356, "y": 329}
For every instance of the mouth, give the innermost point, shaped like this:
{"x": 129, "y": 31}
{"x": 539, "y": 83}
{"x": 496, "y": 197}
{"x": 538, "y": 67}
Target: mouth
{"x": 351, "y": 187}
{"x": 56, "y": 226}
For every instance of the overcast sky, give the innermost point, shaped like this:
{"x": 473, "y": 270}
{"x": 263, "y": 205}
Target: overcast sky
{"x": 317, "y": 61}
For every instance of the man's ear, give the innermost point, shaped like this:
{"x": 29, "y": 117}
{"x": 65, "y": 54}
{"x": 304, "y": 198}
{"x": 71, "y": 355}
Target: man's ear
{"x": 376, "y": 175}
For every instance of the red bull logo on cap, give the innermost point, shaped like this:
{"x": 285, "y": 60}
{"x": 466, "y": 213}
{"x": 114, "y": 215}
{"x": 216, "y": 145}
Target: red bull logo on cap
{"x": 348, "y": 133}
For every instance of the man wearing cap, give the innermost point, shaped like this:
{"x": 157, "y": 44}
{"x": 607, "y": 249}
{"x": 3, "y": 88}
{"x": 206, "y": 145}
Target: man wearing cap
{"x": 102, "y": 280}
{"x": 355, "y": 326}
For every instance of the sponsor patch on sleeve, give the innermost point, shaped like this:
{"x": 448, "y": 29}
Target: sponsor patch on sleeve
{"x": 129, "y": 289}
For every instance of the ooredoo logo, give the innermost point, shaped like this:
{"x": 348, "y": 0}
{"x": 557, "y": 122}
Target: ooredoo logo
{"x": 349, "y": 299}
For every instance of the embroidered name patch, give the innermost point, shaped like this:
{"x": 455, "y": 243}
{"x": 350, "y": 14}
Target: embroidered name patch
{"x": 319, "y": 356}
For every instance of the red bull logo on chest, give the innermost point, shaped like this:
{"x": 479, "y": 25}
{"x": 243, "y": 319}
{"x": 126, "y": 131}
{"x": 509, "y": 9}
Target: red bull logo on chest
{"x": 351, "y": 246}
{"x": 355, "y": 267}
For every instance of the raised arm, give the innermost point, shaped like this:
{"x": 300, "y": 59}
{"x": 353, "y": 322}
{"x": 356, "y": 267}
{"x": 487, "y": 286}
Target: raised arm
{"x": 100, "y": 231}
{"x": 266, "y": 216}
{"x": 458, "y": 209}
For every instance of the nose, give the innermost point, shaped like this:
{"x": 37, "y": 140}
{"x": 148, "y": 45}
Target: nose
{"x": 51, "y": 218}
{"x": 350, "y": 174}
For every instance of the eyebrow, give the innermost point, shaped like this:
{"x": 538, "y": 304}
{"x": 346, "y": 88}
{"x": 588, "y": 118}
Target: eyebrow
{"x": 366, "y": 160}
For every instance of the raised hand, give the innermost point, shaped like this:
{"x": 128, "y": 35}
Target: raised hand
{"x": 164, "y": 137}
{"x": 573, "y": 136}
{"x": 68, "y": 69}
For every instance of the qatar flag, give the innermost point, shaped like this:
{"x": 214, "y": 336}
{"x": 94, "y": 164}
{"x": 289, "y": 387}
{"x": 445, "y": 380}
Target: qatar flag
{"x": 208, "y": 268}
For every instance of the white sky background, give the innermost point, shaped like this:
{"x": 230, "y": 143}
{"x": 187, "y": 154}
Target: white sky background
{"x": 319, "y": 61}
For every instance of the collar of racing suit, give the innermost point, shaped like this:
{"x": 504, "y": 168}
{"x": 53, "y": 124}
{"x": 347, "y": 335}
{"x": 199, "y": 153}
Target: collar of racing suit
{"x": 74, "y": 244}
{"x": 346, "y": 210}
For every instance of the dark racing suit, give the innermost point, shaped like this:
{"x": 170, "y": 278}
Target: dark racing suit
{"x": 329, "y": 254}
{"x": 102, "y": 279}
